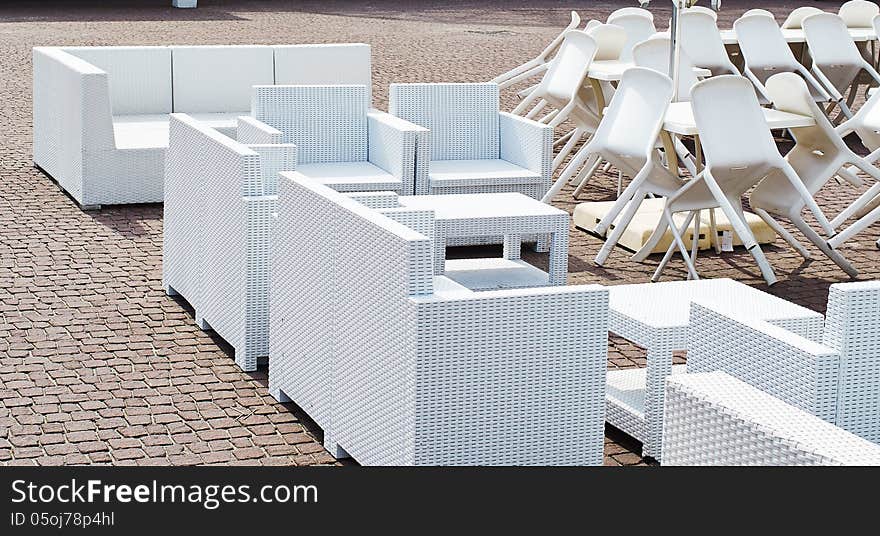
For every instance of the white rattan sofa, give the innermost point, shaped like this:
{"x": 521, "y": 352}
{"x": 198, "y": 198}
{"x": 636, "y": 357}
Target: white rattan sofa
{"x": 400, "y": 367}
{"x": 219, "y": 199}
{"x": 835, "y": 377}
{"x": 101, "y": 113}
{"x": 716, "y": 419}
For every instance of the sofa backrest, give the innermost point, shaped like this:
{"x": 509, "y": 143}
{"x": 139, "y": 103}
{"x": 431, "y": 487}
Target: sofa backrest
{"x": 852, "y": 326}
{"x": 139, "y": 77}
{"x": 219, "y": 78}
{"x": 462, "y": 118}
{"x": 346, "y": 63}
{"x": 792, "y": 368}
{"x": 326, "y": 123}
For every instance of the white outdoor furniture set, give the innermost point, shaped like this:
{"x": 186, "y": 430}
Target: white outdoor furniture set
{"x": 101, "y": 113}
{"x": 401, "y": 366}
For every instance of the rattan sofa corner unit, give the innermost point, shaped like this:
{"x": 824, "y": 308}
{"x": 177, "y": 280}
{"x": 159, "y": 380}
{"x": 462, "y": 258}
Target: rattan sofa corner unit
{"x": 400, "y": 367}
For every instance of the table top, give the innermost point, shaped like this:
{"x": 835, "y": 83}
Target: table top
{"x": 728, "y": 37}
{"x": 667, "y": 304}
{"x": 481, "y": 206}
{"x": 612, "y": 70}
{"x": 680, "y": 119}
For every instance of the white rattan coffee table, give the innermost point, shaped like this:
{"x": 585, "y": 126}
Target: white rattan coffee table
{"x": 656, "y": 317}
{"x": 511, "y": 215}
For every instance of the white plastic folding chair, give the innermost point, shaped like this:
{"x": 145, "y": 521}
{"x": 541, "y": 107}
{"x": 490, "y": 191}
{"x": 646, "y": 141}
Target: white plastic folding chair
{"x": 701, "y": 41}
{"x": 818, "y": 154}
{"x": 638, "y": 24}
{"x": 858, "y": 13}
{"x": 837, "y": 62}
{"x": 739, "y": 152}
{"x": 766, "y": 53}
{"x": 797, "y": 16}
{"x": 640, "y": 103}
{"x": 560, "y": 85}
{"x": 540, "y": 62}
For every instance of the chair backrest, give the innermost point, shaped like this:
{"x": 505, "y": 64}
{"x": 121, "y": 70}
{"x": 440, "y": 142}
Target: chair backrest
{"x": 763, "y": 12}
{"x": 638, "y": 24}
{"x": 829, "y": 41}
{"x": 610, "y": 40}
{"x": 654, "y": 54}
{"x": 628, "y": 11}
{"x": 701, "y": 9}
{"x": 796, "y": 17}
{"x": 762, "y": 43}
{"x": 347, "y": 63}
{"x": 858, "y": 13}
{"x": 569, "y": 67}
{"x": 701, "y": 40}
{"x": 733, "y": 130}
{"x": 139, "y": 77}
{"x": 327, "y": 123}
{"x": 640, "y": 103}
{"x": 462, "y": 118}
{"x": 219, "y": 78}
{"x": 852, "y": 326}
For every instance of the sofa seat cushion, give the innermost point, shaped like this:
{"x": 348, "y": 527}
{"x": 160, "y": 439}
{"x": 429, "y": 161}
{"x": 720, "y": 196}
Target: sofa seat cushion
{"x": 452, "y": 173}
{"x": 351, "y": 176}
{"x": 151, "y": 131}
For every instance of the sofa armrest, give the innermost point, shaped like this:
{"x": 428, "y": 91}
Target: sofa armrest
{"x": 527, "y": 143}
{"x": 254, "y": 131}
{"x": 792, "y": 368}
{"x": 392, "y": 146}
{"x": 273, "y": 160}
{"x": 71, "y": 113}
{"x": 715, "y": 419}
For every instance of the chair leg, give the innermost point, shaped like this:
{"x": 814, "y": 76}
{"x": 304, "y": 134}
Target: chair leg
{"x": 778, "y": 229}
{"x": 820, "y": 243}
{"x": 695, "y": 240}
{"x": 856, "y": 206}
{"x": 584, "y": 177}
{"x": 567, "y": 148}
{"x": 619, "y": 228}
{"x": 858, "y": 226}
{"x": 536, "y": 109}
{"x": 564, "y": 138}
{"x": 630, "y": 192}
{"x": 678, "y": 241}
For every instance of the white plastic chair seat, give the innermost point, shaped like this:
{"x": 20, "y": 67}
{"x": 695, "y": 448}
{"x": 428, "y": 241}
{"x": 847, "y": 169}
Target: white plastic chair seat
{"x": 487, "y": 172}
{"x": 351, "y": 176}
{"x": 150, "y": 131}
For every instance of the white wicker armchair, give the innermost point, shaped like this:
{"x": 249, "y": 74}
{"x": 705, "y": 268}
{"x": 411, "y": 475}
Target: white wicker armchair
{"x": 220, "y": 197}
{"x": 403, "y": 368}
{"x": 340, "y": 142}
{"x": 472, "y": 147}
{"x": 837, "y": 380}
{"x": 715, "y": 419}
{"x": 101, "y": 113}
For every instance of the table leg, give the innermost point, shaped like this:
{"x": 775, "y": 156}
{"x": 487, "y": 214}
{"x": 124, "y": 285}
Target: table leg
{"x": 669, "y": 149}
{"x": 659, "y": 367}
{"x": 558, "y": 264}
{"x": 600, "y": 96}
{"x": 439, "y": 253}
{"x": 512, "y": 246}
{"x": 713, "y": 229}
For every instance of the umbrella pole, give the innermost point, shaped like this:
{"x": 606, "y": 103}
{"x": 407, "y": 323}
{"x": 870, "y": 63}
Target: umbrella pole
{"x": 675, "y": 49}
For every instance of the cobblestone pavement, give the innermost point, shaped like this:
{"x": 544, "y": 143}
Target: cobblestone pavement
{"x": 98, "y": 365}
